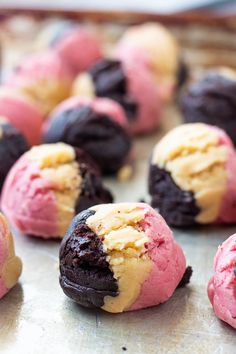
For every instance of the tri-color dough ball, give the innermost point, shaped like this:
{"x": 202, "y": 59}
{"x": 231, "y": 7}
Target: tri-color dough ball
{"x": 10, "y": 264}
{"x": 129, "y": 84}
{"x": 222, "y": 285}
{"x": 154, "y": 46}
{"x": 192, "y": 176}
{"x": 212, "y": 100}
{"x": 12, "y": 146}
{"x": 43, "y": 77}
{"x": 47, "y": 186}
{"x": 98, "y": 126}
{"x": 121, "y": 257}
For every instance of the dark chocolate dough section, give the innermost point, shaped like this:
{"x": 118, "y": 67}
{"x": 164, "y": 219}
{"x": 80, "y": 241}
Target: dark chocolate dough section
{"x": 110, "y": 81}
{"x": 92, "y": 190}
{"x": 102, "y": 138}
{"x": 12, "y": 146}
{"x": 212, "y": 100}
{"x": 178, "y": 207}
{"x": 182, "y": 73}
{"x": 186, "y": 277}
{"x": 84, "y": 272}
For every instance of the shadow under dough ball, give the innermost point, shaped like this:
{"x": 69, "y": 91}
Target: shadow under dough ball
{"x": 101, "y": 137}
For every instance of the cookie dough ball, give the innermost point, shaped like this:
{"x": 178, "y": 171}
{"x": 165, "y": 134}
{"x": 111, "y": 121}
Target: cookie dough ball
{"x": 154, "y": 46}
{"x": 221, "y": 287}
{"x": 192, "y": 176}
{"x": 22, "y": 113}
{"x": 136, "y": 93}
{"x": 212, "y": 100}
{"x": 10, "y": 264}
{"x": 12, "y": 146}
{"x": 98, "y": 126}
{"x": 47, "y": 186}
{"x": 45, "y": 78}
{"x": 120, "y": 257}
{"x": 78, "y": 46}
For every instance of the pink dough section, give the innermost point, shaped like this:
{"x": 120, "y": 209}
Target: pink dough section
{"x": 143, "y": 90}
{"x": 100, "y": 105}
{"x": 227, "y": 212}
{"x": 169, "y": 262}
{"x": 222, "y": 286}
{"x": 130, "y": 54}
{"x": 41, "y": 66}
{"x": 79, "y": 49}
{"x": 22, "y": 114}
{"x": 28, "y": 201}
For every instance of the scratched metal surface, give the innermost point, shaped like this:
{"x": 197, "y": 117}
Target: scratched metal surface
{"x": 36, "y": 317}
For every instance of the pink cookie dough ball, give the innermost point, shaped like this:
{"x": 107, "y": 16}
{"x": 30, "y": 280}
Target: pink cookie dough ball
{"x": 221, "y": 287}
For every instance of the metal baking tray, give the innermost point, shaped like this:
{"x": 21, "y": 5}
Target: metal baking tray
{"x": 36, "y": 317}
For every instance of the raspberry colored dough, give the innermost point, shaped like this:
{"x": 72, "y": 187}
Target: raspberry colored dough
{"x": 222, "y": 285}
{"x": 22, "y": 113}
{"x": 47, "y": 186}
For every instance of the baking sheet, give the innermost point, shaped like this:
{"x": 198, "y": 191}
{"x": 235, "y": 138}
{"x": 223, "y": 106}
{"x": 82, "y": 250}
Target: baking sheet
{"x": 36, "y": 317}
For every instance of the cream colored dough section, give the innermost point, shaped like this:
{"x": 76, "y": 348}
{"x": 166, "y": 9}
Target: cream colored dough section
{"x": 57, "y": 164}
{"x": 83, "y": 86}
{"x": 124, "y": 243}
{"x": 196, "y": 161}
{"x": 12, "y": 267}
{"x": 160, "y": 46}
{"x": 47, "y": 92}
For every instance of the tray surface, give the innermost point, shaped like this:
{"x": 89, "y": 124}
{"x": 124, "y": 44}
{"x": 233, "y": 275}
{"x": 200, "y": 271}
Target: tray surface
{"x": 36, "y": 317}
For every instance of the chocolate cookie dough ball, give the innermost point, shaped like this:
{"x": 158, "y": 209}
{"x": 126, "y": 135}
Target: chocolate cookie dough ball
{"x": 120, "y": 257}
{"x": 129, "y": 84}
{"x": 192, "y": 176}
{"x": 212, "y": 100}
{"x": 12, "y": 146}
{"x": 97, "y": 126}
{"x": 47, "y": 186}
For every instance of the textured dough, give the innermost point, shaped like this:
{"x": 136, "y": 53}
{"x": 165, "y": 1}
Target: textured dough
{"x": 124, "y": 243}
{"x": 197, "y": 163}
{"x": 57, "y": 162}
{"x": 10, "y": 269}
{"x": 158, "y": 44}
